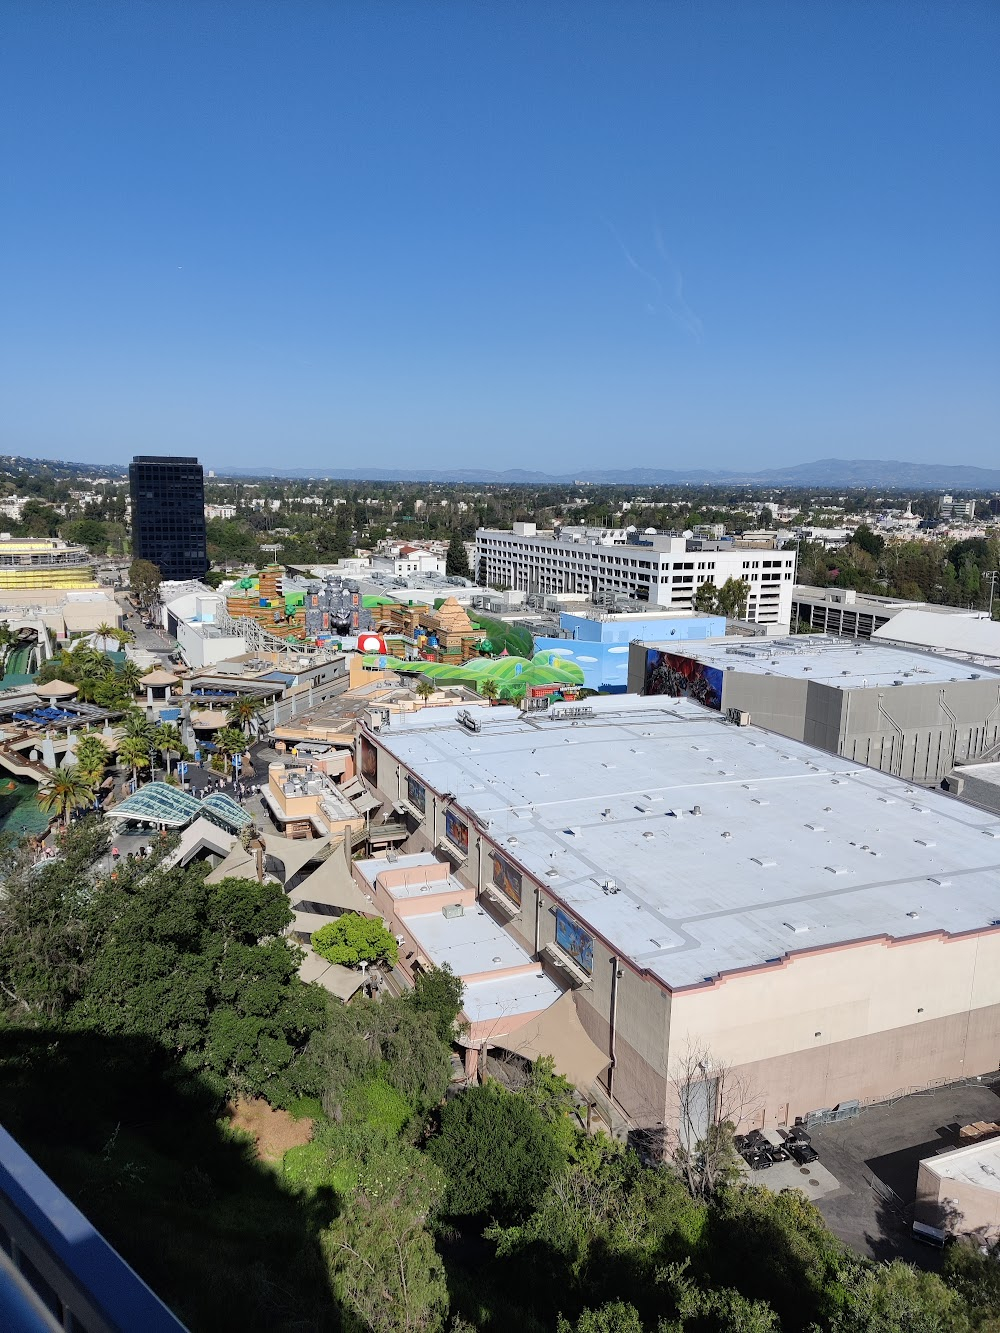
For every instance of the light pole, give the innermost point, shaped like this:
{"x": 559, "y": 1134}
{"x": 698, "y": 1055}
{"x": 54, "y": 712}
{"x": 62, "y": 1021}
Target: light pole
{"x": 992, "y": 577}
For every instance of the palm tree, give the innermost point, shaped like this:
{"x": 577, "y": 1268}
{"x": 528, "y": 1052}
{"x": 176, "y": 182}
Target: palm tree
{"x": 424, "y": 690}
{"x": 129, "y": 675}
{"x": 244, "y": 713}
{"x": 167, "y": 740}
{"x": 105, "y": 632}
{"x": 66, "y": 791}
{"x": 134, "y": 751}
{"x": 91, "y": 758}
{"x": 93, "y": 664}
{"x": 122, "y": 637}
{"x": 489, "y": 689}
{"x": 230, "y": 741}
{"x": 137, "y": 724}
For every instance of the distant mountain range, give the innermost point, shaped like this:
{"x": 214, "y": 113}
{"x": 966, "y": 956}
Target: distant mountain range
{"x": 839, "y": 472}
{"x": 842, "y": 473}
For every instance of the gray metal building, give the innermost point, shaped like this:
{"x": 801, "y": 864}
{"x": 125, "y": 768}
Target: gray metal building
{"x": 913, "y": 714}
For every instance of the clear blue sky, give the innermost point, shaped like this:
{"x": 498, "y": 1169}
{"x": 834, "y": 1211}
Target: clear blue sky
{"x": 511, "y": 234}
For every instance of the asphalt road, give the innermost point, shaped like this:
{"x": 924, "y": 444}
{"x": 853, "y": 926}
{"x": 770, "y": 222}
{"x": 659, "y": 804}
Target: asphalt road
{"x": 155, "y": 640}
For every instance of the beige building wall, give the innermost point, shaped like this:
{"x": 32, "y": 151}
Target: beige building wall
{"x": 956, "y": 1206}
{"x": 852, "y": 1022}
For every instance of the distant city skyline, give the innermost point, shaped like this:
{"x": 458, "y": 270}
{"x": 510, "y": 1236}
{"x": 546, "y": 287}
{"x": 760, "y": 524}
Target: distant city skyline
{"x": 556, "y": 238}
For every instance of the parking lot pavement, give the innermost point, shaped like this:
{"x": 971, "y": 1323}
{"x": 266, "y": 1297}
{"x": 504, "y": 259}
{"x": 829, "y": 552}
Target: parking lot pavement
{"x": 888, "y": 1142}
{"x": 814, "y": 1181}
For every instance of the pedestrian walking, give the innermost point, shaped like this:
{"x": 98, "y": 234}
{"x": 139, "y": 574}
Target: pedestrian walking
{"x": 115, "y": 855}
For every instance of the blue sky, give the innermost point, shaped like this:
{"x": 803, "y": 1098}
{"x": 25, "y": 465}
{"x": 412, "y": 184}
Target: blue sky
{"x": 540, "y": 235}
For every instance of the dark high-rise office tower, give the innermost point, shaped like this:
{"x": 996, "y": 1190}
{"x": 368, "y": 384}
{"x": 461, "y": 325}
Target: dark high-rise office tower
{"x": 168, "y": 514}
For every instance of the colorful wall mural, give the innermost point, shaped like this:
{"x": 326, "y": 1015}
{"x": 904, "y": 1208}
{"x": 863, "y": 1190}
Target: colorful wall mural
{"x": 670, "y": 673}
{"x": 603, "y": 666}
{"x": 416, "y": 793}
{"x": 456, "y": 831}
{"x": 574, "y": 940}
{"x": 506, "y": 878}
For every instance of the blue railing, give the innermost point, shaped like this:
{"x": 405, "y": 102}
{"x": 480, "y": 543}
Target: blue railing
{"x": 56, "y": 1270}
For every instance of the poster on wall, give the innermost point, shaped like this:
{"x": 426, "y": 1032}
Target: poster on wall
{"x": 575, "y": 941}
{"x": 369, "y": 761}
{"x": 457, "y": 831}
{"x": 670, "y": 673}
{"x": 416, "y": 793}
{"x": 506, "y": 878}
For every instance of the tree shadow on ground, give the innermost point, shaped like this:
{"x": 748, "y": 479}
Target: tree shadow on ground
{"x": 139, "y": 1148}
{"x": 898, "y": 1169}
{"x": 894, "y": 1239}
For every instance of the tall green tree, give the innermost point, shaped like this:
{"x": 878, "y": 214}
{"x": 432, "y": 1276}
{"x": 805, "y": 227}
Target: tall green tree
{"x": 205, "y": 970}
{"x": 352, "y": 939}
{"x": 457, "y": 560}
{"x": 144, "y": 579}
{"x": 497, "y": 1152}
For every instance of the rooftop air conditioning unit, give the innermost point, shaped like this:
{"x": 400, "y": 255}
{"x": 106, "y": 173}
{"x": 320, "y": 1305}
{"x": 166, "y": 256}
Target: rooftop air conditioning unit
{"x": 452, "y": 910}
{"x": 738, "y": 717}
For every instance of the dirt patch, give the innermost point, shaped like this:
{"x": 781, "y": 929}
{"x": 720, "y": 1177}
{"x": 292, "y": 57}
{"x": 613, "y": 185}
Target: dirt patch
{"x": 273, "y": 1131}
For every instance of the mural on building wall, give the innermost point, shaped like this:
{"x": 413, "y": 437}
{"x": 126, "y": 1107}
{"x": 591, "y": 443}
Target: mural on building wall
{"x": 506, "y": 878}
{"x": 574, "y": 940}
{"x": 670, "y": 673}
{"x": 457, "y": 831}
{"x": 603, "y": 666}
{"x": 416, "y": 793}
{"x": 369, "y": 761}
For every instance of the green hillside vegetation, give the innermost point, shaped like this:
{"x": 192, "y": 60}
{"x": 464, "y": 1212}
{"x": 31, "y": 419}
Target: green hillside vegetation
{"x": 134, "y": 1009}
{"x": 512, "y": 675}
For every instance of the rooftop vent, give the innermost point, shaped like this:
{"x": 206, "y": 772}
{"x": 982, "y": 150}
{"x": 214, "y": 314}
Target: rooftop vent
{"x": 795, "y": 928}
{"x": 727, "y": 834}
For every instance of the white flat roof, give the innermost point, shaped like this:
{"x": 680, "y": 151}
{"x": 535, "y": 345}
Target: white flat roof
{"x": 522, "y": 994}
{"x": 370, "y": 871}
{"x": 949, "y": 633}
{"x": 845, "y": 664}
{"x": 978, "y": 1164}
{"x": 819, "y": 851}
{"x": 470, "y": 944}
